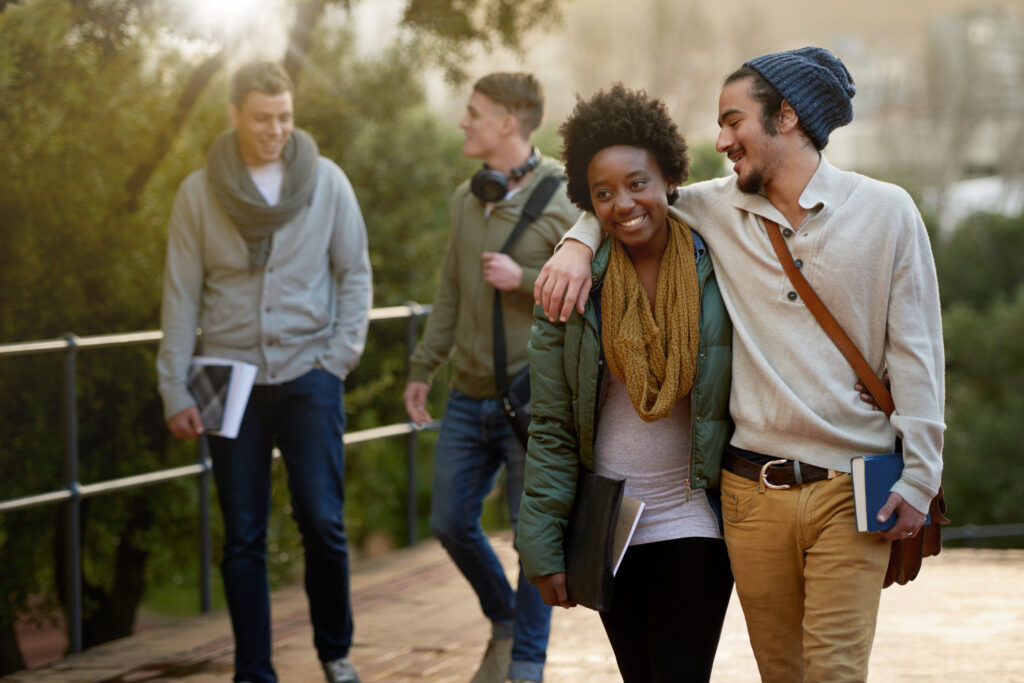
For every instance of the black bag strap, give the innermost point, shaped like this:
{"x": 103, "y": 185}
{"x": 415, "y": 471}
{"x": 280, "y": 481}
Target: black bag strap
{"x": 534, "y": 207}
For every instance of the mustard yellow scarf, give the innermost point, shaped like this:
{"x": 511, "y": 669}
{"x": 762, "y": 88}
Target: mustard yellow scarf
{"x": 654, "y": 353}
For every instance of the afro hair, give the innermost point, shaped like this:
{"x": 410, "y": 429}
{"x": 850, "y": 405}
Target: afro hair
{"x": 620, "y": 116}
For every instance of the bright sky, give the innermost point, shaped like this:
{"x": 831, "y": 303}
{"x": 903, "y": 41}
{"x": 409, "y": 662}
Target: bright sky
{"x": 228, "y": 19}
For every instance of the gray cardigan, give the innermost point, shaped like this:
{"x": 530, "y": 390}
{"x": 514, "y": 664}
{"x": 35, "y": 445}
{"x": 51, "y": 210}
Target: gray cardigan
{"x": 309, "y": 304}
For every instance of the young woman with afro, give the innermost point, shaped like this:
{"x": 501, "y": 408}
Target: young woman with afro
{"x": 636, "y": 388}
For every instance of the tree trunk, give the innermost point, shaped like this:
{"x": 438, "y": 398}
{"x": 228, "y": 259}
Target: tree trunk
{"x": 306, "y": 16}
{"x": 186, "y": 101}
{"x": 109, "y": 615}
{"x": 114, "y": 613}
{"x": 10, "y": 654}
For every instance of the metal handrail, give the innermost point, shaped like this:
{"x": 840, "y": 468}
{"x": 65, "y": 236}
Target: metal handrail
{"x": 161, "y": 476}
{"x": 74, "y": 492}
{"x": 410, "y": 310}
{"x": 972, "y": 532}
{"x": 100, "y": 488}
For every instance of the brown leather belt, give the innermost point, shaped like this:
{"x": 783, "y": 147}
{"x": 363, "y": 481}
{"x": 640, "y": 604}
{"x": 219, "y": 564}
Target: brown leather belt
{"x": 776, "y": 474}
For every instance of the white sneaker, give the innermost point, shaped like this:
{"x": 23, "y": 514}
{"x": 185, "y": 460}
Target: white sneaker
{"x": 494, "y": 665}
{"x": 340, "y": 671}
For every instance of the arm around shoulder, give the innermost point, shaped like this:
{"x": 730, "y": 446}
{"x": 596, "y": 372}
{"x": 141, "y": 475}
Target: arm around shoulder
{"x": 558, "y": 218}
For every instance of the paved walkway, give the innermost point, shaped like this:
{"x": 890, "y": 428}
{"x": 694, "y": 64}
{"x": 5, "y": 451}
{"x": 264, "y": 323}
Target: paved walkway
{"x": 417, "y": 620}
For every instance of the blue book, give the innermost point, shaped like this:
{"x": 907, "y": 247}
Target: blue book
{"x": 873, "y": 476}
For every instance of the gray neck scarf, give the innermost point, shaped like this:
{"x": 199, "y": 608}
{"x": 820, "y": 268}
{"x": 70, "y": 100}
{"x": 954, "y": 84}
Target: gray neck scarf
{"x": 235, "y": 190}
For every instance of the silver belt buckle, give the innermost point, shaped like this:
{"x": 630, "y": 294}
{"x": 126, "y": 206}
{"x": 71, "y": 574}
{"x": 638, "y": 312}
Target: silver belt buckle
{"x": 764, "y": 475}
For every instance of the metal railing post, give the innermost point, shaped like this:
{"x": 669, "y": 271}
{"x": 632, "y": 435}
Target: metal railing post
{"x": 205, "y": 544}
{"x": 73, "y": 549}
{"x": 411, "y": 440}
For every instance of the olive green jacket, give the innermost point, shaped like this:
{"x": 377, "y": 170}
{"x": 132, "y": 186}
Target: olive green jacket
{"x": 460, "y": 326}
{"x": 566, "y": 366}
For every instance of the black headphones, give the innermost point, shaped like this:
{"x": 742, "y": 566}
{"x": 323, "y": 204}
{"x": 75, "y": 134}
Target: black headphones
{"x": 492, "y": 186}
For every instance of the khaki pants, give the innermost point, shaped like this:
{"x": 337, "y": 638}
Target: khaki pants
{"x": 808, "y": 581}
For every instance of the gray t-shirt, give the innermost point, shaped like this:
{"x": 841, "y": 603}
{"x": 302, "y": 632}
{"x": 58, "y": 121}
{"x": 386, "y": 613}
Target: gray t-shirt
{"x": 654, "y": 459}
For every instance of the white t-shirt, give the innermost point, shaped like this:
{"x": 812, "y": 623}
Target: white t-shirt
{"x": 268, "y": 179}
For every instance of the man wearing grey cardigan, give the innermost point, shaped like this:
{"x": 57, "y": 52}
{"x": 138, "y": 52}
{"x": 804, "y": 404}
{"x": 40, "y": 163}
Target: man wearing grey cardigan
{"x": 267, "y": 255}
{"x": 808, "y": 581}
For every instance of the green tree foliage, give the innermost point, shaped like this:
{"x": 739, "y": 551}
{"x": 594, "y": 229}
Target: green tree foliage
{"x": 981, "y": 280}
{"x": 448, "y": 30}
{"x": 77, "y": 93}
{"x": 983, "y": 476}
{"x": 983, "y": 260}
{"x": 706, "y": 163}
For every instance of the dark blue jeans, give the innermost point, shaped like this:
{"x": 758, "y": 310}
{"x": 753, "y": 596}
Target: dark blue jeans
{"x": 475, "y": 441}
{"x": 305, "y": 418}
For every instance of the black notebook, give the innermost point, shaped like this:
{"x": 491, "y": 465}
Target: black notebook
{"x": 208, "y": 385}
{"x": 602, "y": 522}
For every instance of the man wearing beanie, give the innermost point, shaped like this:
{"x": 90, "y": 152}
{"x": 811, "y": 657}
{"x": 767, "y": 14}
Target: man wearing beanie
{"x": 808, "y": 581}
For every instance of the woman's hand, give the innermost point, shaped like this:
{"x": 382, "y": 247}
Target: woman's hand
{"x": 553, "y": 592}
{"x": 866, "y": 396}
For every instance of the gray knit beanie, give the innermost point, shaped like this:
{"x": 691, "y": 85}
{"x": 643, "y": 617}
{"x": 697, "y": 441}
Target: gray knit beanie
{"x": 815, "y": 83}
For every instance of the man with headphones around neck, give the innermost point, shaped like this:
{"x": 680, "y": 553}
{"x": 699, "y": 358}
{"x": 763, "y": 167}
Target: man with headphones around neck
{"x": 476, "y": 438}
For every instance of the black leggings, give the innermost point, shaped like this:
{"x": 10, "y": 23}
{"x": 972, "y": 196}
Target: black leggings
{"x": 667, "y": 609}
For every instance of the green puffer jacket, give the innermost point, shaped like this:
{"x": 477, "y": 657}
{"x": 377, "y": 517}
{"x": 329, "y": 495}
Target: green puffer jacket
{"x": 566, "y": 366}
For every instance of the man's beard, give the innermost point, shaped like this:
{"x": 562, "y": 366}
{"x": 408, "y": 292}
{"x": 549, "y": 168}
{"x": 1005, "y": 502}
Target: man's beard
{"x": 752, "y": 183}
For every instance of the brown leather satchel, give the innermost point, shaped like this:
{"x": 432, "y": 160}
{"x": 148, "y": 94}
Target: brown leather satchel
{"x": 905, "y": 555}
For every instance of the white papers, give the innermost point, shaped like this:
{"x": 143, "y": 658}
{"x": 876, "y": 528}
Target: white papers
{"x": 629, "y": 516}
{"x": 221, "y": 387}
